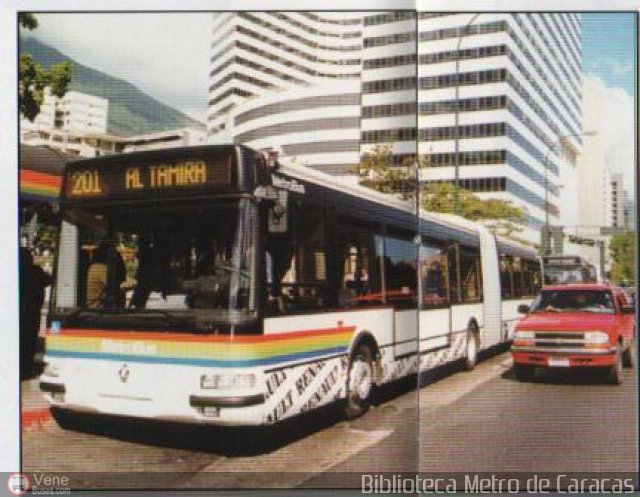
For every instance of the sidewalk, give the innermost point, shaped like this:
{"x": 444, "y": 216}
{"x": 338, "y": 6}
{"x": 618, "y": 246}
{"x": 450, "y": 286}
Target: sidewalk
{"x": 35, "y": 409}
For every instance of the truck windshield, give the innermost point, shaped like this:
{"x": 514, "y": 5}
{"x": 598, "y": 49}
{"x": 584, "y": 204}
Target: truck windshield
{"x": 183, "y": 263}
{"x": 594, "y": 301}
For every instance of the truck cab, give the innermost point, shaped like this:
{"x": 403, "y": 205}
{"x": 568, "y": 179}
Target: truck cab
{"x": 579, "y": 325}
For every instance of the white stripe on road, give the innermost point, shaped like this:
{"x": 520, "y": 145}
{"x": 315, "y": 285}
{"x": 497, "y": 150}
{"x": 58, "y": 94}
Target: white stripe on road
{"x": 450, "y": 389}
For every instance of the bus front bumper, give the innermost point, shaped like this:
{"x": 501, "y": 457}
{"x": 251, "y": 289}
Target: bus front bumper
{"x": 221, "y": 410}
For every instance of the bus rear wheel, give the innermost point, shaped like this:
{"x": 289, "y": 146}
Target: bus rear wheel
{"x": 471, "y": 353}
{"x": 360, "y": 382}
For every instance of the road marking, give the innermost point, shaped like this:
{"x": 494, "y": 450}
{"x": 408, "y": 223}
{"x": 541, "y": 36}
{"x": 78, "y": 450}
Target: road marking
{"x": 450, "y": 389}
{"x": 324, "y": 449}
{"x": 312, "y": 455}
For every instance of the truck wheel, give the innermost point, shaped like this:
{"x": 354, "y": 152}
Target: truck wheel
{"x": 629, "y": 355}
{"x": 614, "y": 373}
{"x": 523, "y": 372}
{"x": 471, "y": 355}
{"x": 359, "y": 382}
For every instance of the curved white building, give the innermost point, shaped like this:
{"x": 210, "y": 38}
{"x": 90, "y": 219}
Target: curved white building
{"x": 316, "y": 126}
{"x": 253, "y": 53}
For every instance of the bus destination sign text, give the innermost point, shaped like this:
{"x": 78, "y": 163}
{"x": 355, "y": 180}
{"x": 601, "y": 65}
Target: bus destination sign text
{"x": 185, "y": 173}
{"x": 166, "y": 177}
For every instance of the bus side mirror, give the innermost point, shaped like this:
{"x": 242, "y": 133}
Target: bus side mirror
{"x": 278, "y": 215}
{"x": 523, "y": 309}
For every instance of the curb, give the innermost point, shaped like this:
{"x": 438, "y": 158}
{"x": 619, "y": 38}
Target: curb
{"x": 35, "y": 418}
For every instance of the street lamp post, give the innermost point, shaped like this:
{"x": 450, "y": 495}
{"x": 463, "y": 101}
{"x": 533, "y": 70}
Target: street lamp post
{"x": 456, "y": 193}
{"x": 547, "y": 234}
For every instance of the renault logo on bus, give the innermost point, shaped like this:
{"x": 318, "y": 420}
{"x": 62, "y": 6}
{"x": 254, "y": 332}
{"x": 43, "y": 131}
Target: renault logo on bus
{"x": 123, "y": 373}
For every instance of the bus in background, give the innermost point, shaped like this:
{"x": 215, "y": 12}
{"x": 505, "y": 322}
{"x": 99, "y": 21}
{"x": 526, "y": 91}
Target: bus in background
{"x": 564, "y": 269}
{"x": 206, "y": 285}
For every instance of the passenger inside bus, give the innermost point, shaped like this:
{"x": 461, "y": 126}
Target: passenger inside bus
{"x": 213, "y": 274}
{"x": 153, "y": 273}
{"x": 104, "y": 286}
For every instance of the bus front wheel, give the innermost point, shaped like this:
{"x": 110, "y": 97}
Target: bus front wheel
{"x": 360, "y": 381}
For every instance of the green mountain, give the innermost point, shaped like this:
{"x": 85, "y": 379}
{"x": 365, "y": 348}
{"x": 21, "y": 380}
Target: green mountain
{"x": 131, "y": 111}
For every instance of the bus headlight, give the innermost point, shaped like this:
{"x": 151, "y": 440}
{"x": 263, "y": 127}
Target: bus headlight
{"x": 596, "y": 338}
{"x": 227, "y": 381}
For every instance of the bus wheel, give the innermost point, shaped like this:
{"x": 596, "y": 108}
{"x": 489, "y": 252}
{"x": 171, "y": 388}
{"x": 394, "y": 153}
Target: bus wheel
{"x": 471, "y": 355}
{"x": 614, "y": 373}
{"x": 629, "y": 355}
{"x": 359, "y": 382}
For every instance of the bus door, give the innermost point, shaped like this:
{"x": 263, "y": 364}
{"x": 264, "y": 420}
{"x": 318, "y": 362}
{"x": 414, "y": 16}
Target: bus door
{"x": 435, "y": 316}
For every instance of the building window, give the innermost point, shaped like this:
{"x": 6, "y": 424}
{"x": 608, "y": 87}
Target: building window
{"x": 463, "y": 132}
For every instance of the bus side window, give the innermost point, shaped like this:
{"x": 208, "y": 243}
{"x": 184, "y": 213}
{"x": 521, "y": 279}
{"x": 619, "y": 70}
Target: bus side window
{"x": 506, "y": 276}
{"x": 296, "y": 266}
{"x": 400, "y": 274}
{"x": 453, "y": 264}
{"x": 354, "y": 261}
{"x": 532, "y": 277}
{"x": 470, "y": 274}
{"x": 518, "y": 277}
{"x": 434, "y": 270}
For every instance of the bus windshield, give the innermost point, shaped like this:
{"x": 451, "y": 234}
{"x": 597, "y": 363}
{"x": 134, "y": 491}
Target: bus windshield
{"x": 192, "y": 263}
{"x": 554, "y": 275}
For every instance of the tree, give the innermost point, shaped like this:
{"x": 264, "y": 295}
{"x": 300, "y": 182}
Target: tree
{"x": 33, "y": 78}
{"x": 376, "y": 170}
{"x": 623, "y": 256}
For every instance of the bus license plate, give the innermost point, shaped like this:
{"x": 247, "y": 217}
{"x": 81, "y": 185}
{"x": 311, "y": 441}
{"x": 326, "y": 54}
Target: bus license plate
{"x": 558, "y": 362}
{"x": 210, "y": 411}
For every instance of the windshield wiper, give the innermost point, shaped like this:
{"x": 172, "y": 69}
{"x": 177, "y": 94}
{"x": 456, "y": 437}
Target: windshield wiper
{"x": 168, "y": 317}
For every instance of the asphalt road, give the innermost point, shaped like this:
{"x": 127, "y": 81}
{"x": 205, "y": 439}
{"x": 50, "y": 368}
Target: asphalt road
{"x": 480, "y": 421}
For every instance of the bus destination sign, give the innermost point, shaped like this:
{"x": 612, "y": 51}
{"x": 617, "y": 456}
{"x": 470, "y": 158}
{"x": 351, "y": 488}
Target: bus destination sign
{"x": 562, "y": 260}
{"x": 92, "y": 182}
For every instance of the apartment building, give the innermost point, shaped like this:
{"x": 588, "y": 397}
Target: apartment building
{"x": 495, "y": 96}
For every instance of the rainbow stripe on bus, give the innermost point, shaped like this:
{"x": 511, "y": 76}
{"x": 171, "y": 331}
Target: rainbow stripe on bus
{"x": 34, "y": 183}
{"x": 193, "y": 350}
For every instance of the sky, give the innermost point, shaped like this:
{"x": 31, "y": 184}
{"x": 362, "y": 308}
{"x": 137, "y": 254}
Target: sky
{"x": 167, "y": 56}
{"x": 609, "y": 57}
{"x": 608, "y": 48}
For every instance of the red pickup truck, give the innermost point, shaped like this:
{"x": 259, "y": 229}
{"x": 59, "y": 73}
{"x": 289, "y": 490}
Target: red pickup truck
{"x": 579, "y": 325}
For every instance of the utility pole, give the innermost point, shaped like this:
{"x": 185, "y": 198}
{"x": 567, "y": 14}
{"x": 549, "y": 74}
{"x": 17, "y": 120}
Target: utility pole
{"x": 456, "y": 102}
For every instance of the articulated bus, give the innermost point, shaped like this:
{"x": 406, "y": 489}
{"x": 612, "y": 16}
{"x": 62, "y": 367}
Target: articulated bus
{"x": 205, "y": 285}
